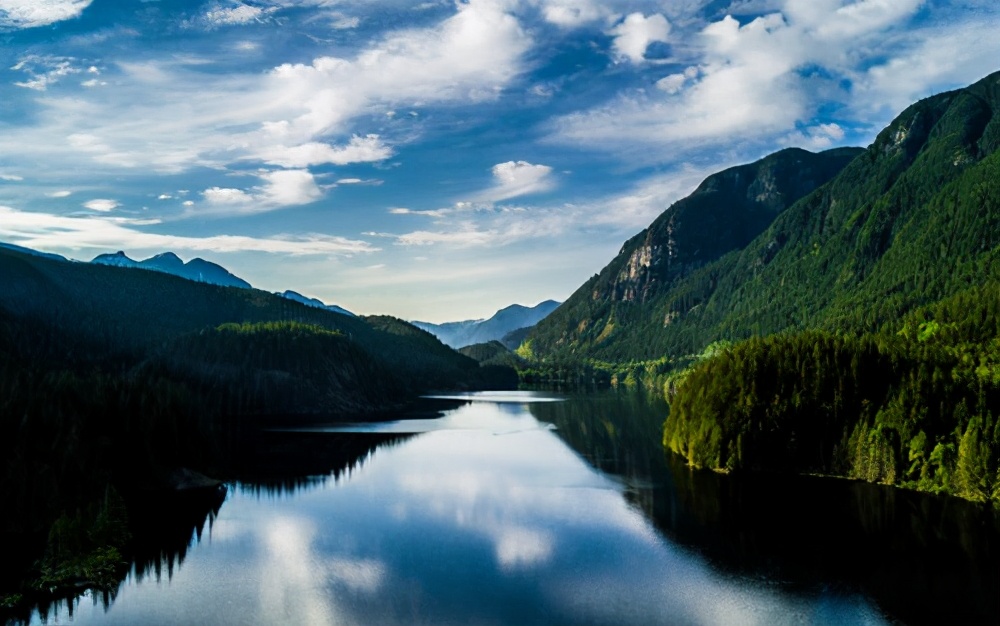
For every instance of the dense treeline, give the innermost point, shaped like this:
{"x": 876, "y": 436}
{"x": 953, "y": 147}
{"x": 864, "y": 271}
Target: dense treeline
{"x": 917, "y": 408}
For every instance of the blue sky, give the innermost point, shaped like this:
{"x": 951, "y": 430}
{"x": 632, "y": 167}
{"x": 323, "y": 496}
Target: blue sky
{"x": 434, "y": 160}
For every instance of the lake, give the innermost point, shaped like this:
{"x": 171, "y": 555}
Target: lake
{"x": 533, "y": 508}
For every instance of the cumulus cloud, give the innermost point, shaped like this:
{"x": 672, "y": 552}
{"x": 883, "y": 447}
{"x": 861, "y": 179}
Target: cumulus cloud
{"x": 518, "y": 178}
{"x": 280, "y": 188}
{"x": 44, "y": 231}
{"x": 101, "y": 204}
{"x": 761, "y": 79}
{"x": 634, "y": 34}
{"x": 33, "y": 13}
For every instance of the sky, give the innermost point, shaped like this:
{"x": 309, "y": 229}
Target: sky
{"x": 435, "y": 160}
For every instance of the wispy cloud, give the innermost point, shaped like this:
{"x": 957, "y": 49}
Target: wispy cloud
{"x": 44, "y": 231}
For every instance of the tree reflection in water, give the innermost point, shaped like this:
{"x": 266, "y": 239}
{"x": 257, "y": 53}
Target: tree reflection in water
{"x": 924, "y": 559}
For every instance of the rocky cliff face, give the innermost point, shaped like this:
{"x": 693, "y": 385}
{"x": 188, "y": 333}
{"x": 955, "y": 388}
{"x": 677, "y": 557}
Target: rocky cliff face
{"x": 725, "y": 213}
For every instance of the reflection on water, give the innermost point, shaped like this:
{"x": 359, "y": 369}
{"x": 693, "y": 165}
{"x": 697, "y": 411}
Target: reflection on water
{"x": 501, "y": 524}
{"x": 924, "y": 559}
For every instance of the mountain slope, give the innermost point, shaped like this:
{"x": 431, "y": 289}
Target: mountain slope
{"x": 724, "y": 213}
{"x": 504, "y": 321}
{"x": 313, "y": 302}
{"x": 198, "y": 270}
{"x": 116, "y": 314}
{"x": 914, "y": 218}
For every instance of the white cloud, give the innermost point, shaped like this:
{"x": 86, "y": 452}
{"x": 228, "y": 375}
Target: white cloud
{"x": 59, "y": 194}
{"x": 572, "y": 13}
{"x": 227, "y": 196}
{"x": 289, "y": 188}
{"x": 469, "y": 225}
{"x": 634, "y": 34}
{"x": 465, "y": 236}
{"x": 931, "y": 57}
{"x": 44, "y": 70}
{"x": 818, "y": 137}
{"x": 368, "y": 149}
{"x": 44, "y": 231}
{"x": 34, "y": 13}
{"x": 295, "y": 115}
{"x": 238, "y": 15}
{"x": 14, "y": 178}
{"x": 753, "y": 81}
{"x": 281, "y": 188}
{"x": 518, "y": 178}
{"x": 101, "y": 204}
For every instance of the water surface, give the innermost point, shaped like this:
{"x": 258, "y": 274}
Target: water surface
{"x": 531, "y": 509}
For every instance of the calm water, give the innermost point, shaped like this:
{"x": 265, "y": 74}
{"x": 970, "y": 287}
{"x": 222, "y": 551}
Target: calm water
{"x": 525, "y": 509}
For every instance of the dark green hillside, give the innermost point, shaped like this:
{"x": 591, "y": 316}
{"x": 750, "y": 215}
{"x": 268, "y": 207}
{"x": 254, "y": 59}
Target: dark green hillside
{"x": 724, "y": 213}
{"x": 911, "y": 220}
{"x": 118, "y": 315}
{"x": 277, "y": 368}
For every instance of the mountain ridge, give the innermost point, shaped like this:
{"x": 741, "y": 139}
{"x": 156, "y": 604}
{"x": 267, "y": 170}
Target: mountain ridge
{"x": 197, "y": 269}
{"x": 496, "y": 327}
{"x": 855, "y": 252}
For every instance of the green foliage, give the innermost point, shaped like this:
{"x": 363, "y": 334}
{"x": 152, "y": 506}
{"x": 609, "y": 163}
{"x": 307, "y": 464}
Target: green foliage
{"x": 903, "y": 407}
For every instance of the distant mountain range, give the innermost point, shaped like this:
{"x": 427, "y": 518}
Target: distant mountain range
{"x": 505, "y": 321}
{"x": 198, "y": 270}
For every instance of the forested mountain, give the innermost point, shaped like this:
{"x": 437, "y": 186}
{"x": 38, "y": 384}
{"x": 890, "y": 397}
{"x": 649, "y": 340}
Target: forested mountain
{"x": 910, "y": 220}
{"x": 196, "y": 269}
{"x": 724, "y": 213}
{"x": 503, "y": 322}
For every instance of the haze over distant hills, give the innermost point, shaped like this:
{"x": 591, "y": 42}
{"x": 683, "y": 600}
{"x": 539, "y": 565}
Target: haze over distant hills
{"x": 504, "y": 321}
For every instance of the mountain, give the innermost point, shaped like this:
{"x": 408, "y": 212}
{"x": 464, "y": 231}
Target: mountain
{"x": 313, "y": 302}
{"x": 46, "y": 255}
{"x": 910, "y": 220}
{"x": 504, "y": 321}
{"x": 196, "y": 269}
